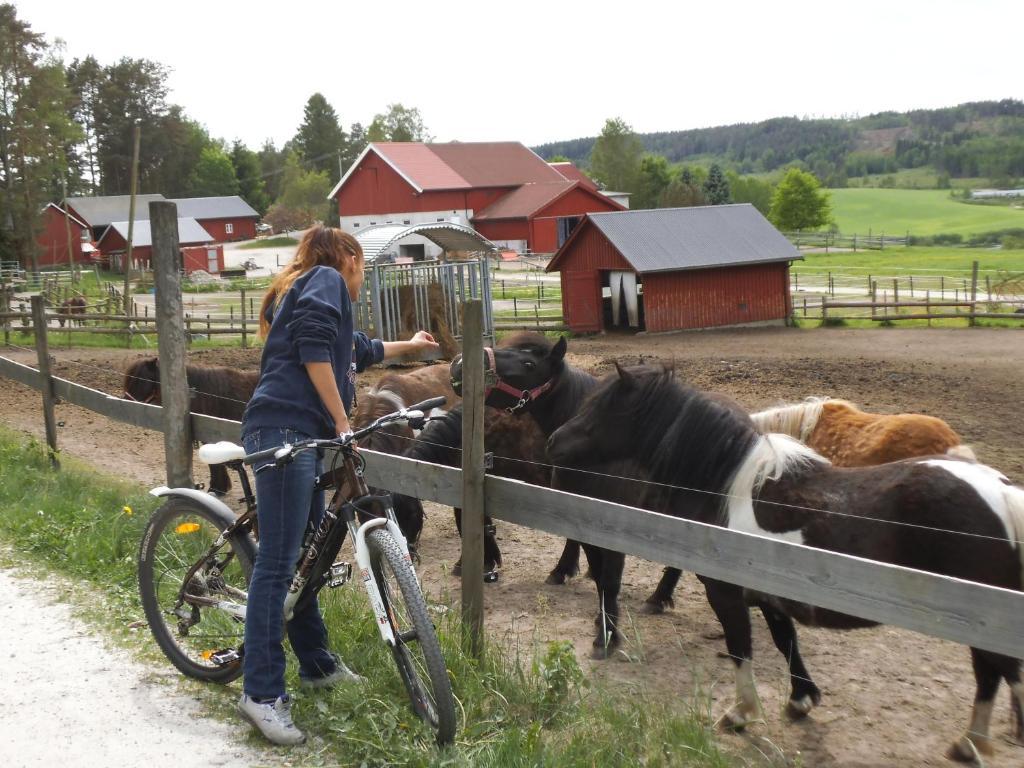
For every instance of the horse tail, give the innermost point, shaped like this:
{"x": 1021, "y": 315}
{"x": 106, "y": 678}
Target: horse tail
{"x": 964, "y": 452}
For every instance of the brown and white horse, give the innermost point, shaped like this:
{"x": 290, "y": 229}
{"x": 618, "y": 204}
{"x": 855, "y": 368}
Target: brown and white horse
{"x": 850, "y": 437}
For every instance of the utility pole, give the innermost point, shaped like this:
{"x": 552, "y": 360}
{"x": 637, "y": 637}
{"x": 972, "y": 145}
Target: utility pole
{"x": 67, "y": 224}
{"x": 131, "y": 218}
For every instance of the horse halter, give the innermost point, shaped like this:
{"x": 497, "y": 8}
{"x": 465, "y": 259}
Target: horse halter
{"x": 494, "y": 382}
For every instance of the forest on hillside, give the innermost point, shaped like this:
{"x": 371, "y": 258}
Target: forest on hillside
{"x": 976, "y": 139}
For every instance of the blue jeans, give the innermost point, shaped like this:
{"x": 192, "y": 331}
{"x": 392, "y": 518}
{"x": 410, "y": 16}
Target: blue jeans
{"x": 285, "y": 502}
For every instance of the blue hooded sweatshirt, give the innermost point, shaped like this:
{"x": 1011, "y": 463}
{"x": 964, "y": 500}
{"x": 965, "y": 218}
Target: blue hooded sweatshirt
{"x": 312, "y": 323}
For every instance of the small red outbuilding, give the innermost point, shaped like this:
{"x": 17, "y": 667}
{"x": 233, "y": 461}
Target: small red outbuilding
{"x": 673, "y": 269}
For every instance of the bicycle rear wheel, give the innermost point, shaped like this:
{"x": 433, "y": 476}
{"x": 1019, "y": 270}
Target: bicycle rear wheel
{"x": 417, "y": 651}
{"x": 193, "y": 594}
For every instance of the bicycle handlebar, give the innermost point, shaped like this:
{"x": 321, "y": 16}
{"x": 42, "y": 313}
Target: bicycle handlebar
{"x": 284, "y": 453}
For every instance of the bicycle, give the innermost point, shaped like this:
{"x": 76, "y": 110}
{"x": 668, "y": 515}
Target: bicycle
{"x": 196, "y": 558}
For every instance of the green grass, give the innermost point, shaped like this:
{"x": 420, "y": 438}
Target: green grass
{"x": 280, "y": 241}
{"x": 522, "y": 706}
{"x": 921, "y": 212}
{"x": 914, "y": 260}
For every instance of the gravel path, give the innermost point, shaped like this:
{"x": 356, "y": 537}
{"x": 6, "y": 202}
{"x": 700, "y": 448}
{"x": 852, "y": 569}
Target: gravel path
{"x": 97, "y": 707}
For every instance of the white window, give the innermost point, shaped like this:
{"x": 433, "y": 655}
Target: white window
{"x": 229, "y": 229}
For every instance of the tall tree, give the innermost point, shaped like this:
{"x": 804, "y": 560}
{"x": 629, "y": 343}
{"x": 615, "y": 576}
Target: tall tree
{"x": 750, "y": 189}
{"x": 35, "y": 132}
{"x": 399, "y": 123}
{"x": 214, "y": 175}
{"x": 357, "y": 142}
{"x": 320, "y": 140}
{"x": 684, "y": 191}
{"x": 615, "y": 159}
{"x": 132, "y": 92}
{"x": 251, "y": 185}
{"x": 272, "y": 163}
{"x": 84, "y": 79}
{"x": 716, "y": 187}
{"x": 654, "y": 178}
{"x": 799, "y": 203}
{"x": 303, "y": 194}
{"x": 173, "y": 146}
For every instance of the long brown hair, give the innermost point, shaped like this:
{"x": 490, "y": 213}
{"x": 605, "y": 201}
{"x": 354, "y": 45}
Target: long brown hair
{"x": 320, "y": 246}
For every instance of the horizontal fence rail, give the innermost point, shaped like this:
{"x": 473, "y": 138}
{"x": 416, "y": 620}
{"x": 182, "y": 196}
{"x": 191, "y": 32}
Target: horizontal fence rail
{"x": 973, "y": 614}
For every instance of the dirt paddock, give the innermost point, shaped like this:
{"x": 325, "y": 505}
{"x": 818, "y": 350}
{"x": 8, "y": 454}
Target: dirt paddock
{"x": 891, "y": 697}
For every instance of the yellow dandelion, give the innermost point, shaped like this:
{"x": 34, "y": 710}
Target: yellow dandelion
{"x": 126, "y": 510}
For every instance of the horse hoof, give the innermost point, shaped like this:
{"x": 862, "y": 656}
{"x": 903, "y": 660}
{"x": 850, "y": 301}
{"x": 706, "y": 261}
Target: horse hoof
{"x": 654, "y": 606}
{"x": 798, "y": 709}
{"x": 457, "y": 569}
{"x": 490, "y": 577}
{"x": 555, "y": 578}
{"x": 736, "y": 719}
{"x": 967, "y": 750}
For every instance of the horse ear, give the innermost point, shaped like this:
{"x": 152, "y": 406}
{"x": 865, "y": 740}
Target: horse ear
{"x": 558, "y": 351}
{"x": 624, "y": 375}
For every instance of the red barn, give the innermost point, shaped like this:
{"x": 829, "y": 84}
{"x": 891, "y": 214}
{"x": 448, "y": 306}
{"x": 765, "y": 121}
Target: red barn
{"x": 209, "y": 258}
{"x": 226, "y": 218}
{"x": 504, "y": 190}
{"x": 114, "y": 242}
{"x": 673, "y": 269}
{"x": 53, "y": 240}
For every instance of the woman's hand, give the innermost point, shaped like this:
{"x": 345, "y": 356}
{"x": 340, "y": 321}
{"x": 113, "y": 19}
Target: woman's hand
{"x": 424, "y": 342}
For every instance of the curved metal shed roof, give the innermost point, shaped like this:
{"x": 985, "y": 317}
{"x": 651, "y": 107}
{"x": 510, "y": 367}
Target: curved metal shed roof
{"x": 375, "y": 240}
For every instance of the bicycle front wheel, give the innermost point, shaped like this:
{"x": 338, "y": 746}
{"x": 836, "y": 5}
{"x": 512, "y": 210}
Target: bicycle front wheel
{"x": 194, "y": 593}
{"x": 417, "y": 651}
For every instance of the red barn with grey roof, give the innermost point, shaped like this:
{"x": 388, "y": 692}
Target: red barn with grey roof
{"x": 674, "y": 269}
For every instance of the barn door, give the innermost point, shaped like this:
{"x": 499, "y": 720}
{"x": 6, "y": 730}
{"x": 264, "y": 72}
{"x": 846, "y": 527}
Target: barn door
{"x": 582, "y": 300}
{"x": 211, "y": 261}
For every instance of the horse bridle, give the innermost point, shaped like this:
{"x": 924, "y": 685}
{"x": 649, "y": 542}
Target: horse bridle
{"x": 493, "y": 382}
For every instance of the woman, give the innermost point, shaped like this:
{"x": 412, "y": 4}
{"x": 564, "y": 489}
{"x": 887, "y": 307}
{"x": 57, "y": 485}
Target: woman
{"x": 305, "y": 389}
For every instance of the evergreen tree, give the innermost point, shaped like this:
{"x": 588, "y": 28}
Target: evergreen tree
{"x": 36, "y": 134}
{"x": 84, "y": 78}
{"x": 251, "y": 186}
{"x": 320, "y": 140}
{"x": 716, "y": 187}
{"x": 357, "y": 142}
{"x": 615, "y": 159}
{"x": 799, "y": 203}
{"x": 272, "y": 161}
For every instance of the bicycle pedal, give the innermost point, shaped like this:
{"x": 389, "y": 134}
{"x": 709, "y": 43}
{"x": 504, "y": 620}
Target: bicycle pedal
{"x": 339, "y": 574}
{"x": 227, "y": 656}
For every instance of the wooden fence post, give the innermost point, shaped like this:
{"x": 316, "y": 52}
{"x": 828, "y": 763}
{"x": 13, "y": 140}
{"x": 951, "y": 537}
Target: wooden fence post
{"x": 473, "y": 473}
{"x": 43, "y": 355}
{"x": 245, "y": 337}
{"x": 974, "y": 290}
{"x": 874, "y": 297}
{"x": 174, "y": 391}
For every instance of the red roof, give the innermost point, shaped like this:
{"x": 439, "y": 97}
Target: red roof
{"x": 459, "y": 165}
{"x": 524, "y": 201}
{"x": 572, "y": 173}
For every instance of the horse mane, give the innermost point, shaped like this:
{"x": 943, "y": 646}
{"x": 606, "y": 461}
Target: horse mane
{"x": 440, "y": 440}
{"x": 771, "y": 457}
{"x": 796, "y": 421}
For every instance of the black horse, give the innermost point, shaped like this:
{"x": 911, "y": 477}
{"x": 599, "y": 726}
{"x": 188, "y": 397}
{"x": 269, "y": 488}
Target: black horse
{"x": 216, "y": 391}
{"x": 936, "y": 514}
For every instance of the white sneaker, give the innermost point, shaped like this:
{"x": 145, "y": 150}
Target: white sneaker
{"x": 341, "y": 674}
{"x": 273, "y": 719}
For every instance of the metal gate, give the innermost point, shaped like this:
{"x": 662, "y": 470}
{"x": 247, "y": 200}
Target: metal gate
{"x": 398, "y": 299}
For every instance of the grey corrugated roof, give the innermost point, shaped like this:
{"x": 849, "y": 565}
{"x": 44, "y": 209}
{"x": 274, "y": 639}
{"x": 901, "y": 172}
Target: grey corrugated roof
{"x": 189, "y": 232}
{"x": 450, "y": 237}
{"x": 228, "y": 207}
{"x": 100, "y": 211}
{"x": 669, "y": 239}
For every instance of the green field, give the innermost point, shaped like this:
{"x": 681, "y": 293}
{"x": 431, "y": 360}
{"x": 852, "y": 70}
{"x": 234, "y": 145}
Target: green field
{"x": 920, "y": 212}
{"x": 917, "y": 260}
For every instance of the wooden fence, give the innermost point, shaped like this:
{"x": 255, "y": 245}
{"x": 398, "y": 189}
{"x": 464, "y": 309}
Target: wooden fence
{"x": 981, "y": 616}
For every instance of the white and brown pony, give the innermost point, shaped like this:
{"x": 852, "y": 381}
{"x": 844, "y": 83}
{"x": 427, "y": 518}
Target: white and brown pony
{"x": 850, "y": 437}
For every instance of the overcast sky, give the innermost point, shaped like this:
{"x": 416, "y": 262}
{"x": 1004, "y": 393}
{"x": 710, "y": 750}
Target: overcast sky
{"x": 544, "y": 71}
